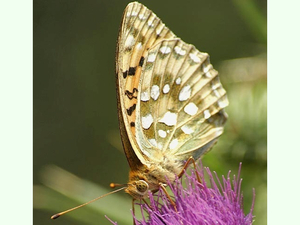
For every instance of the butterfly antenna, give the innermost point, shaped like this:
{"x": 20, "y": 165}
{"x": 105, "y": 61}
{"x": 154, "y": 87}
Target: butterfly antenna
{"x": 114, "y": 185}
{"x": 55, "y": 216}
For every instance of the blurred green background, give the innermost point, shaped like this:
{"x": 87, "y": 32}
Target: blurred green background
{"x": 75, "y": 115}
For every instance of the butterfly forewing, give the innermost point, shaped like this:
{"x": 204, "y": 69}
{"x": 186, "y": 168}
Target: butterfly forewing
{"x": 170, "y": 97}
{"x": 140, "y": 30}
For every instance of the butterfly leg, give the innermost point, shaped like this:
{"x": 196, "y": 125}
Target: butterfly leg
{"x": 191, "y": 159}
{"x": 147, "y": 203}
{"x": 167, "y": 194}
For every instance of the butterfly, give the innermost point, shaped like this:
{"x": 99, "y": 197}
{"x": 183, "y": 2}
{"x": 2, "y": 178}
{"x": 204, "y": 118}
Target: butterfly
{"x": 170, "y": 101}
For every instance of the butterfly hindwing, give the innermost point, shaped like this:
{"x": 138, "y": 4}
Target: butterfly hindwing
{"x": 181, "y": 101}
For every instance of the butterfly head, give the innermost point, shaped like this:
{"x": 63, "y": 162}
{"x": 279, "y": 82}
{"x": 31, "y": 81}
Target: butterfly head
{"x": 138, "y": 189}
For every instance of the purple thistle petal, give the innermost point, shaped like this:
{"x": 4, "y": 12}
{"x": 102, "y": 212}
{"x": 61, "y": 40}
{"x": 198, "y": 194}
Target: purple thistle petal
{"x": 114, "y": 223}
{"x": 198, "y": 204}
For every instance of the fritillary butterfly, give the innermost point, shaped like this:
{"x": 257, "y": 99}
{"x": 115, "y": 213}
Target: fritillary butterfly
{"x": 170, "y": 100}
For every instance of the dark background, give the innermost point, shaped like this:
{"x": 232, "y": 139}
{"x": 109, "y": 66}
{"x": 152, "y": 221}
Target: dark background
{"x": 75, "y": 113}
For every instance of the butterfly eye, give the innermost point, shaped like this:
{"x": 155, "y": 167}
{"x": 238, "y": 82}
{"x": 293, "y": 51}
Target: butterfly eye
{"x": 141, "y": 186}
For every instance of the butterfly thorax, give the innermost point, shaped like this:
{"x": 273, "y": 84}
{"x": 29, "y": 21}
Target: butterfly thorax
{"x": 152, "y": 177}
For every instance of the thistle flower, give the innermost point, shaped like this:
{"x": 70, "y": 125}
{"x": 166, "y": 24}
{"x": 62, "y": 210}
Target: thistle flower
{"x": 197, "y": 204}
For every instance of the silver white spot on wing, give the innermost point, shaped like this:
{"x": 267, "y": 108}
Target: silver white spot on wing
{"x": 154, "y": 92}
{"x": 134, "y": 13}
{"x": 179, "y": 50}
{"x": 147, "y": 121}
{"x": 191, "y": 109}
{"x": 145, "y": 96}
{"x": 139, "y": 45}
{"x": 150, "y": 23}
{"x": 206, "y": 114}
{"x": 169, "y": 119}
{"x": 166, "y": 89}
{"x": 222, "y": 104}
{"x": 130, "y": 41}
{"x": 173, "y": 144}
{"x": 186, "y": 129}
{"x": 208, "y": 74}
{"x": 159, "y": 30}
{"x": 178, "y": 81}
{"x": 214, "y": 87}
{"x": 151, "y": 58}
{"x": 195, "y": 58}
{"x": 217, "y": 93}
{"x": 162, "y": 133}
{"x": 185, "y": 93}
{"x": 153, "y": 142}
{"x": 206, "y": 68}
{"x": 142, "y": 17}
{"x": 165, "y": 49}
